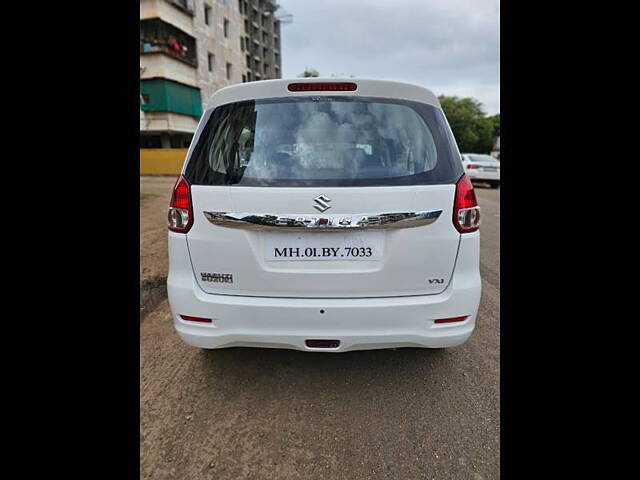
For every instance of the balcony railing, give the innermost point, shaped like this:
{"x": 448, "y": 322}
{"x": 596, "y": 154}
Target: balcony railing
{"x": 162, "y": 95}
{"x": 157, "y": 36}
{"x": 176, "y": 52}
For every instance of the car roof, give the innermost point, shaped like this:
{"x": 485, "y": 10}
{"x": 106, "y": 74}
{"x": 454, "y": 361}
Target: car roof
{"x": 365, "y": 88}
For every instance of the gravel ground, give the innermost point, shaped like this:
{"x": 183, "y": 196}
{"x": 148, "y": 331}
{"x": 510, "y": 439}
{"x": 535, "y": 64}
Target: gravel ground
{"x": 156, "y": 195}
{"x": 262, "y": 413}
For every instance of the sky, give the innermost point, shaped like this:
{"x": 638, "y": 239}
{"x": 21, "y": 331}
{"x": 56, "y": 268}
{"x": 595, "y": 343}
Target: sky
{"x": 452, "y": 47}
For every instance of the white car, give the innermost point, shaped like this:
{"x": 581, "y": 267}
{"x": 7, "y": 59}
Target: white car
{"x": 482, "y": 168}
{"x": 324, "y": 216}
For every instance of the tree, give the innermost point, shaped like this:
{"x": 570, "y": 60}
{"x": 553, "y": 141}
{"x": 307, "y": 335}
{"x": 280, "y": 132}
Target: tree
{"x": 309, "y": 72}
{"x": 495, "y": 125}
{"x": 473, "y": 130}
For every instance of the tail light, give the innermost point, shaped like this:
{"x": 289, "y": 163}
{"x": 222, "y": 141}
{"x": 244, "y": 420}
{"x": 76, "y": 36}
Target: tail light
{"x": 180, "y": 217}
{"x": 322, "y": 87}
{"x": 466, "y": 212}
{"x": 471, "y": 166}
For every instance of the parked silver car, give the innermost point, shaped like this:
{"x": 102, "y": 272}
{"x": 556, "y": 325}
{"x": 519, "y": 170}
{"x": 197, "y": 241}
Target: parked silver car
{"x": 482, "y": 168}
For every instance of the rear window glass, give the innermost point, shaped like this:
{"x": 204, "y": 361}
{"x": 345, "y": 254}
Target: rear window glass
{"x": 324, "y": 141}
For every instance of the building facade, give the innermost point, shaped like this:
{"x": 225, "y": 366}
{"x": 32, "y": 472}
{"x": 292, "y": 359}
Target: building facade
{"x": 191, "y": 48}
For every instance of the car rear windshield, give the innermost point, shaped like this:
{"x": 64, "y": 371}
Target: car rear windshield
{"x": 325, "y": 141}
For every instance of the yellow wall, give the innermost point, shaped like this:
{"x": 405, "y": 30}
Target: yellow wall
{"x": 161, "y": 161}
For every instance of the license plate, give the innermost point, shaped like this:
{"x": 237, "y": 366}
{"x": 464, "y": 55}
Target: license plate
{"x": 490, "y": 169}
{"x": 323, "y": 246}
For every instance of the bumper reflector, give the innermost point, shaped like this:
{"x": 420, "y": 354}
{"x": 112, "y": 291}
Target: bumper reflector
{"x": 451, "y": 320}
{"x": 195, "y": 319}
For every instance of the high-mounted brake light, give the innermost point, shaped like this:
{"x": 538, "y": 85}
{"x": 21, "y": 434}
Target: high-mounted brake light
{"x": 466, "y": 212}
{"x": 180, "y": 216}
{"x": 322, "y": 87}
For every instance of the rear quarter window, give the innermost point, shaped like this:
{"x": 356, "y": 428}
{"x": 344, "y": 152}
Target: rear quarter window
{"x": 324, "y": 141}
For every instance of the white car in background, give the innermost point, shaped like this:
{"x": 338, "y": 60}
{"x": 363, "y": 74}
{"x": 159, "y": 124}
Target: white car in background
{"x": 482, "y": 168}
{"x": 306, "y": 217}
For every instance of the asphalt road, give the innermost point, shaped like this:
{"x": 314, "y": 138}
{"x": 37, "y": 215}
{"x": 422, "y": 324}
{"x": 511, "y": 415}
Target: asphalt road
{"x": 261, "y": 413}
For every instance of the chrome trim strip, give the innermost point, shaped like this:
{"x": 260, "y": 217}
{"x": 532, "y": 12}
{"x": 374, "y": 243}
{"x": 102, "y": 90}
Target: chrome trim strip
{"x": 378, "y": 221}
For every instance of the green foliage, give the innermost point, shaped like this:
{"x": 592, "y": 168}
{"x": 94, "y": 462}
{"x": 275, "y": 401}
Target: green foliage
{"x": 495, "y": 123}
{"x": 309, "y": 72}
{"x": 473, "y": 130}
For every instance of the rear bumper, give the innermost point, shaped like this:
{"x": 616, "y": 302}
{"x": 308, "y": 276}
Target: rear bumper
{"x": 358, "y": 323}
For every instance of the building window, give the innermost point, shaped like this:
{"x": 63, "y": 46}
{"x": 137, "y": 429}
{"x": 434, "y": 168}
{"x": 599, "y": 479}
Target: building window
{"x": 246, "y": 26}
{"x": 241, "y": 44}
{"x": 180, "y": 141}
{"x": 265, "y": 52}
{"x": 244, "y": 78}
{"x": 226, "y": 28}
{"x": 277, "y": 58}
{"x": 207, "y": 13}
{"x": 265, "y": 37}
{"x": 211, "y": 59}
{"x": 228, "y": 71}
{"x": 265, "y": 70}
{"x": 240, "y": 4}
{"x": 184, "y": 5}
{"x": 150, "y": 141}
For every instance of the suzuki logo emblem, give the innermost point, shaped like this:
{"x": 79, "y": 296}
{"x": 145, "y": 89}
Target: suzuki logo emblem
{"x": 322, "y": 204}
